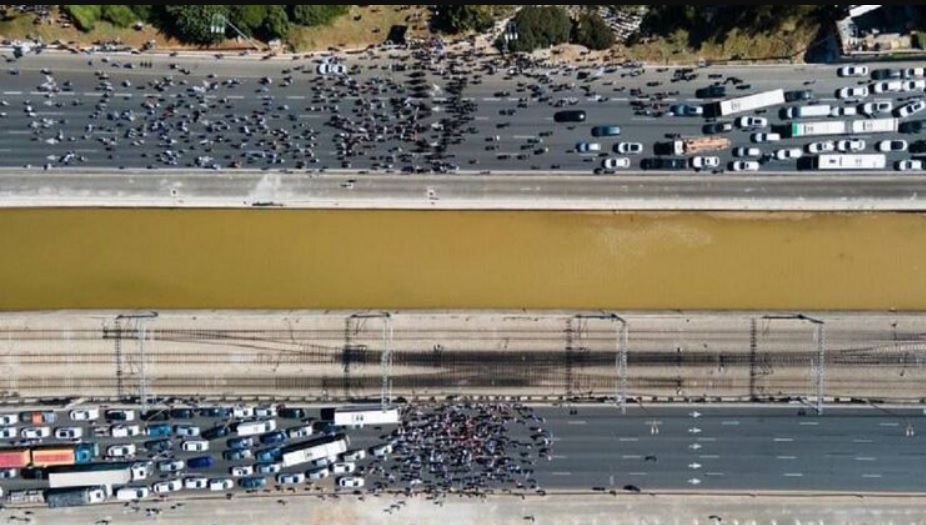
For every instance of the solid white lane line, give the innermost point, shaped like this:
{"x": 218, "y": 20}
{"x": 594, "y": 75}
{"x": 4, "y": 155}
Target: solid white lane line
{"x": 784, "y": 440}
{"x": 787, "y": 458}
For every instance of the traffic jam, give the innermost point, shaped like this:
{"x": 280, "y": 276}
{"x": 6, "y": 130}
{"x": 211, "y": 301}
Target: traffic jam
{"x": 84, "y": 456}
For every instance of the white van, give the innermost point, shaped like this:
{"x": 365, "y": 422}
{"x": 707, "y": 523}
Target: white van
{"x": 253, "y": 428}
{"x": 813, "y": 110}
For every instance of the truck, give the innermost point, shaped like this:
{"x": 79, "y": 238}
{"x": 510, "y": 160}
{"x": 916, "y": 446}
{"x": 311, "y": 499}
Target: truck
{"x": 817, "y": 128}
{"x": 75, "y": 497}
{"x": 358, "y": 417}
{"x": 68, "y": 455}
{"x": 15, "y": 458}
{"x": 101, "y": 474}
{"x": 38, "y": 417}
{"x": 875, "y": 125}
{"x": 746, "y": 103}
{"x": 696, "y": 145}
{"x": 324, "y": 447}
{"x": 23, "y": 497}
{"x": 869, "y": 161}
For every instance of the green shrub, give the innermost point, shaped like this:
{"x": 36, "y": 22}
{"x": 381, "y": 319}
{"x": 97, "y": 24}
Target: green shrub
{"x": 84, "y": 16}
{"x": 540, "y": 27}
{"x": 316, "y": 15}
{"x": 919, "y": 40}
{"x": 193, "y": 23}
{"x": 248, "y": 17}
{"x": 457, "y": 18}
{"x": 593, "y": 32}
{"x": 119, "y": 15}
{"x": 276, "y": 23}
{"x": 142, "y": 11}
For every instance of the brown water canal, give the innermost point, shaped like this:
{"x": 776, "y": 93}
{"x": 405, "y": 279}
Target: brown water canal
{"x": 456, "y": 260}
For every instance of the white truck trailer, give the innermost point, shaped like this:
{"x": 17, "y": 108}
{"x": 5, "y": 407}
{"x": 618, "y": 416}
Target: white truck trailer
{"x": 817, "y": 128}
{"x": 875, "y": 125}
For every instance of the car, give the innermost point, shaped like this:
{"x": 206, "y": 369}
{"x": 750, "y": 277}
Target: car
{"x": 121, "y": 451}
{"x": 913, "y": 126}
{"x": 665, "y": 163}
{"x": 354, "y": 455}
{"x": 613, "y": 163}
{"x": 159, "y": 446}
{"x": 749, "y": 122}
{"x": 914, "y": 72}
{"x": 86, "y": 414}
{"x": 886, "y": 74}
{"x": 252, "y": 483}
{"x": 216, "y": 432}
{"x": 237, "y": 455}
{"x": 798, "y": 95}
{"x": 712, "y": 91}
{"x": 120, "y": 415}
{"x": 265, "y": 411}
{"x": 886, "y": 146}
{"x": 850, "y": 145}
{"x": 323, "y": 462}
{"x": 628, "y": 148}
{"x": 318, "y": 473}
{"x": 268, "y": 468}
{"x": 200, "y": 462}
{"x": 789, "y": 154}
{"x": 909, "y": 165}
{"x": 35, "y": 433}
{"x": 338, "y": 69}
{"x": 221, "y": 484}
{"x": 132, "y": 493}
{"x": 242, "y": 471}
{"x": 823, "y": 146}
{"x": 299, "y": 432}
{"x": 215, "y": 412}
{"x": 686, "y": 110}
{"x": 269, "y": 454}
{"x": 196, "y": 483}
{"x": 242, "y": 412}
{"x": 175, "y": 465}
{"x": 891, "y": 86}
{"x": 381, "y": 451}
{"x": 744, "y": 165}
{"x": 9, "y": 432}
{"x": 323, "y": 69}
{"x": 910, "y": 109}
{"x": 743, "y": 151}
{"x": 195, "y": 445}
{"x": 571, "y": 115}
{"x": 759, "y": 138}
{"x": 123, "y": 431}
{"x": 239, "y": 443}
{"x": 633, "y": 488}
{"x": 877, "y": 107}
{"x": 914, "y": 85}
{"x": 703, "y": 163}
{"x": 345, "y": 467}
{"x": 588, "y": 147}
{"x": 158, "y": 430}
{"x": 350, "y": 482}
{"x": 291, "y": 479}
{"x": 852, "y": 71}
{"x": 273, "y": 438}
{"x": 69, "y": 433}
{"x": 852, "y": 92}
{"x": 716, "y": 128}
{"x": 606, "y": 131}
{"x": 9, "y": 473}
{"x": 181, "y": 413}
{"x": 844, "y": 111}
{"x": 186, "y": 430}
{"x": 164, "y": 487}
{"x": 300, "y": 413}
{"x": 7, "y": 420}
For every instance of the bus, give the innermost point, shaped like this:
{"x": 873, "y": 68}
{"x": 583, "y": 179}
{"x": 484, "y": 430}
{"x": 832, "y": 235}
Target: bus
{"x": 746, "y": 103}
{"x": 359, "y": 417}
{"x": 869, "y": 161}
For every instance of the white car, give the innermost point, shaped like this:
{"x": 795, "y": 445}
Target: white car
{"x": 354, "y": 455}
{"x": 909, "y": 165}
{"x": 853, "y": 71}
{"x": 346, "y": 467}
{"x": 876, "y": 108}
{"x": 122, "y": 431}
{"x": 266, "y": 411}
{"x": 613, "y": 163}
{"x": 852, "y": 92}
{"x": 886, "y": 146}
{"x": 323, "y": 462}
{"x": 242, "y": 471}
{"x": 381, "y": 451}
{"x": 268, "y": 468}
{"x": 132, "y": 493}
{"x": 824, "y": 146}
{"x": 338, "y": 69}
{"x": 291, "y": 479}
{"x": 350, "y": 482}
{"x": 888, "y": 86}
{"x": 164, "y": 487}
{"x": 628, "y": 148}
{"x": 744, "y": 165}
{"x": 703, "y": 163}
{"x": 196, "y": 483}
{"x": 220, "y": 484}
{"x": 9, "y": 432}
{"x": 914, "y": 72}
{"x": 243, "y": 412}
{"x": 588, "y": 147}
{"x": 88, "y": 414}
{"x": 318, "y": 473}
{"x": 121, "y": 451}
{"x": 789, "y": 154}
{"x": 910, "y": 109}
{"x": 759, "y": 138}
{"x": 172, "y": 466}
{"x": 747, "y": 152}
{"x": 9, "y": 473}
{"x": 850, "y": 145}
{"x": 914, "y": 85}
{"x": 300, "y": 432}
{"x": 35, "y": 432}
{"x": 323, "y": 69}
{"x": 7, "y": 420}
{"x": 752, "y": 122}
{"x": 69, "y": 433}
{"x": 195, "y": 446}
{"x": 186, "y": 430}
{"x": 844, "y": 111}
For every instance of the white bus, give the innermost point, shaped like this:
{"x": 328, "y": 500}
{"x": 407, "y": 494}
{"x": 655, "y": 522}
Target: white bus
{"x": 816, "y": 128}
{"x": 875, "y": 125}
{"x": 865, "y": 161}
{"x": 747, "y": 103}
{"x": 358, "y": 417}
{"x": 326, "y": 447}
{"x": 253, "y": 428}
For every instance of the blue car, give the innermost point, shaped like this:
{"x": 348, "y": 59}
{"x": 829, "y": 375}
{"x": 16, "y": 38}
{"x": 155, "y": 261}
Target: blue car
{"x": 606, "y": 131}
{"x": 158, "y": 445}
{"x": 269, "y": 455}
{"x": 158, "y": 430}
{"x": 252, "y": 483}
{"x": 202, "y": 462}
{"x": 216, "y": 412}
{"x": 216, "y": 432}
{"x": 273, "y": 438}
{"x": 237, "y": 455}
{"x": 240, "y": 443}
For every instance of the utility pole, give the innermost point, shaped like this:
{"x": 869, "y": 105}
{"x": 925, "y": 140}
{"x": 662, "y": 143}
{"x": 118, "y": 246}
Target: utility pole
{"x": 385, "y": 362}
{"x": 622, "y": 343}
{"x": 819, "y": 371}
{"x": 220, "y": 21}
{"x": 141, "y": 329}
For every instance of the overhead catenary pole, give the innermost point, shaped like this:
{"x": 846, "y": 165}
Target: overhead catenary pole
{"x": 819, "y": 370}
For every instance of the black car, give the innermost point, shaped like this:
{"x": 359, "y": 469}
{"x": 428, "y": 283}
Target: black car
{"x": 717, "y": 128}
{"x": 572, "y": 115}
{"x": 916, "y": 126}
{"x": 216, "y": 432}
{"x": 798, "y": 95}
{"x": 181, "y": 413}
{"x": 159, "y": 445}
{"x": 886, "y": 74}
{"x": 665, "y": 163}
{"x": 216, "y": 412}
{"x": 714, "y": 91}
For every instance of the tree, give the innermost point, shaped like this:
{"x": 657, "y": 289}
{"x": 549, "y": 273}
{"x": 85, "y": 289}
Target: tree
{"x": 84, "y": 16}
{"x": 276, "y": 23}
{"x": 593, "y": 32}
{"x": 316, "y": 15}
{"x": 540, "y": 27}
{"x": 249, "y": 18}
{"x": 193, "y": 23}
{"x": 459, "y": 18}
{"x": 119, "y": 15}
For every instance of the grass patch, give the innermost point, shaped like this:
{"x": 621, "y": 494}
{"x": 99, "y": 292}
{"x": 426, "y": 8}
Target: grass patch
{"x": 371, "y": 28}
{"x": 675, "y": 49}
